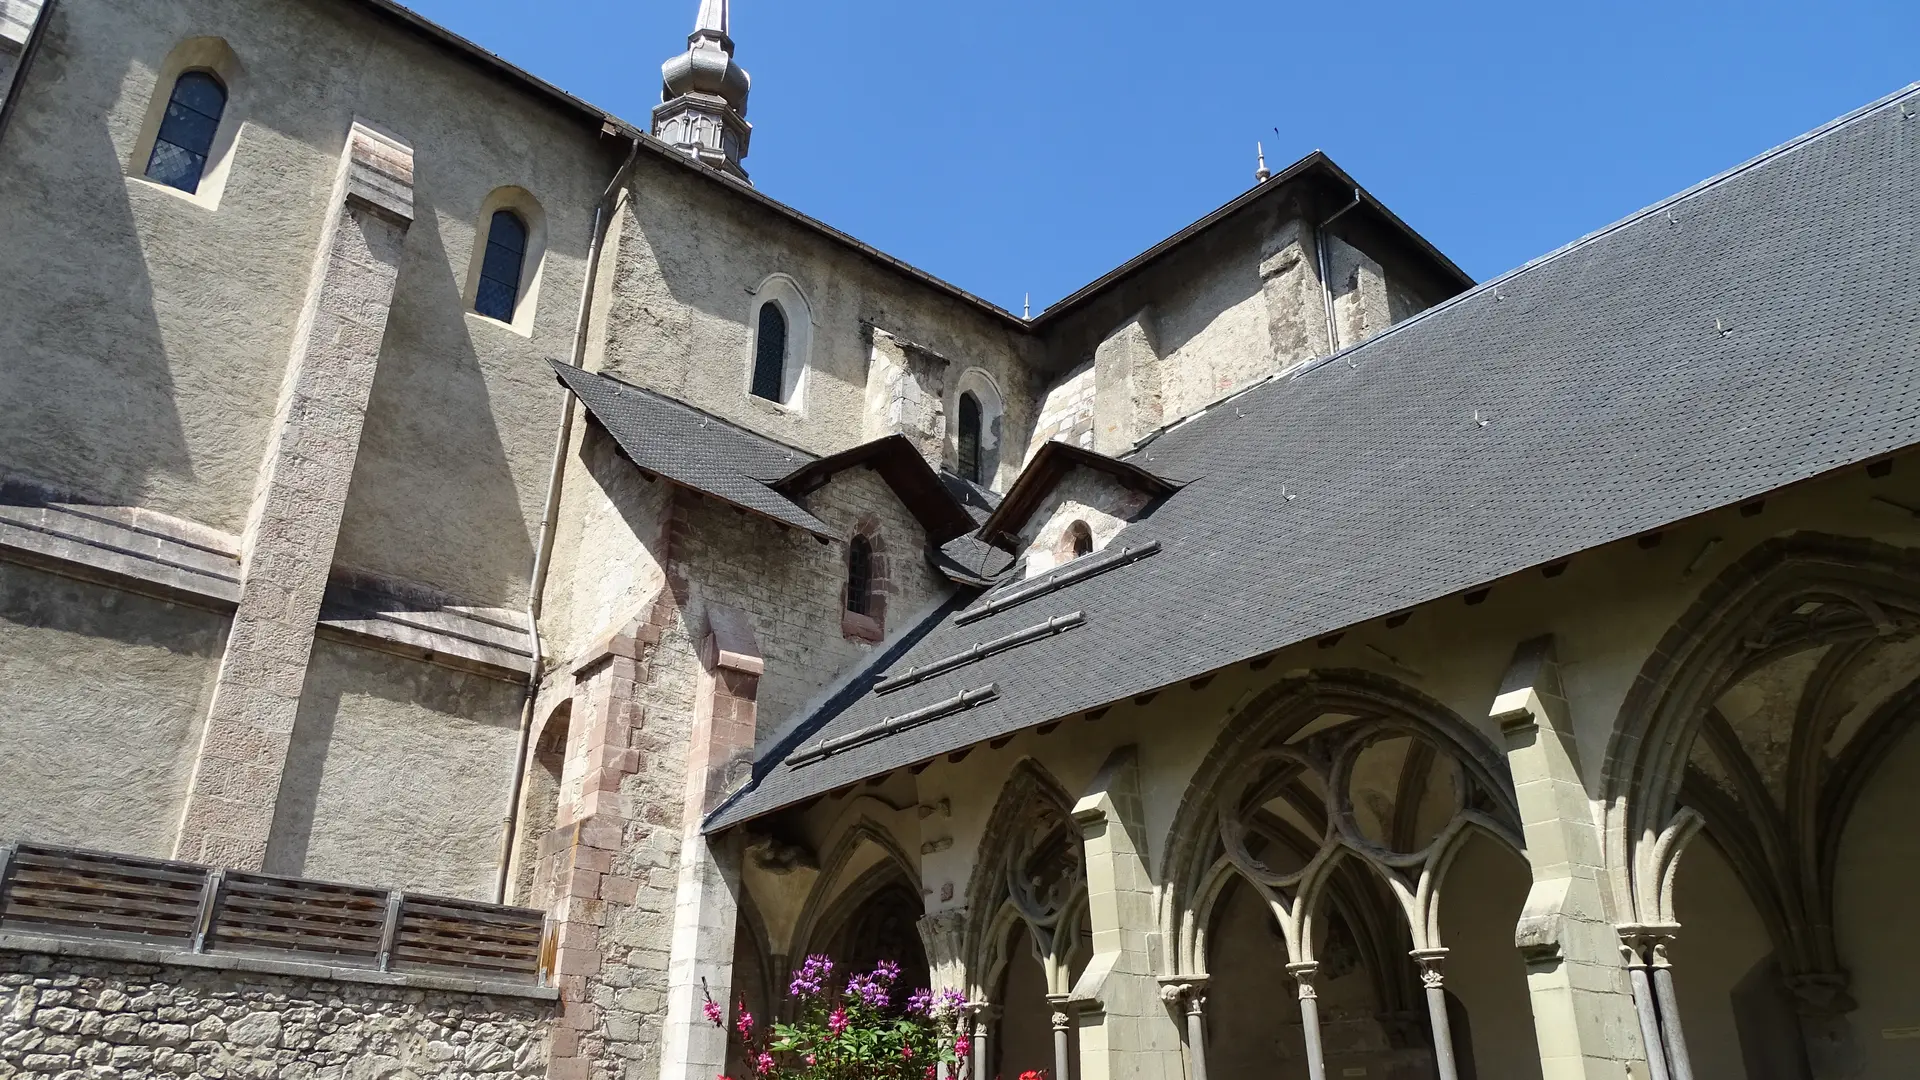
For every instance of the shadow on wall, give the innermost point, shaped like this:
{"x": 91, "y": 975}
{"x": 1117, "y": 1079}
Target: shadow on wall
{"x": 102, "y": 698}
{"x": 433, "y": 496}
{"x": 397, "y": 775}
{"x": 87, "y": 387}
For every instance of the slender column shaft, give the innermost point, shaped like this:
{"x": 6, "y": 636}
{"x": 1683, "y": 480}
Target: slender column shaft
{"x": 1062, "y": 1063}
{"x": 982, "y": 1028}
{"x": 1197, "y": 1032}
{"x": 1680, "y": 1065}
{"x": 1643, "y": 1004}
{"x": 1310, "y": 1018}
{"x": 1434, "y": 979}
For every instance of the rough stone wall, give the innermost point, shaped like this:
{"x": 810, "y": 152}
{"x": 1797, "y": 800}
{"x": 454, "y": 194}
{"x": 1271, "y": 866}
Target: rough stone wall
{"x": 102, "y": 695}
{"x": 689, "y": 254}
{"x": 105, "y": 1019}
{"x": 1361, "y": 306}
{"x": 397, "y": 776}
{"x": 906, "y": 395}
{"x": 607, "y": 543}
{"x": 1402, "y": 302}
{"x": 1087, "y": 495}
{"x": 1066, "y": 412}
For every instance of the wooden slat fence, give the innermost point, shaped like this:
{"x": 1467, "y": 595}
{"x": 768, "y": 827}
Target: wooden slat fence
{"x": 121, "y": 897}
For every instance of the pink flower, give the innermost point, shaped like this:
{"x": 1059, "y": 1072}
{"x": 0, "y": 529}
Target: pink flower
{"x": 763, "y": 1064}
{"x": 745, "y": 1022}
{"x": 837, "y": 1023}
{"x": 811, "y": 1060}
{"x": 963, "y": 1046}
{"x": 906, "y": 1052}
{"x": 716, "y": 1017}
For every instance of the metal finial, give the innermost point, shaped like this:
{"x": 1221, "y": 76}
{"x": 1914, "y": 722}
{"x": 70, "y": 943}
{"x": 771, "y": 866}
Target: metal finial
{"x": 1261, "y": 173}
{"x": 1026, "y": 307}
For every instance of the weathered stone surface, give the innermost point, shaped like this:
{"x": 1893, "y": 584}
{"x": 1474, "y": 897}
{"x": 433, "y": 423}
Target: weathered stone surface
{"x": 97, "y": 1020}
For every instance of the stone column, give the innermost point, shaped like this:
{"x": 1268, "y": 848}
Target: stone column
{"x": 1133, "y": 1027}
{"x": 18, "y": 18}
{"x": 1434, "y": 980}
{"x": 1303, "y": 973}
{"x": 1678, "y": 1063}
{"x": 943, "y": 935}
{"x": 299, "y": 497}
{"x": 706, "y": 902}
{"x": 1583, "y": 1009}
{"x": 1188, "y": 994}
{"x": 1644, "y": 1006}
{"x": 1063, "y": 1009}
{"x": 983, "y": 1015}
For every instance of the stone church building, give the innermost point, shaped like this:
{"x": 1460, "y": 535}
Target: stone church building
{"x": 479, "y": 579}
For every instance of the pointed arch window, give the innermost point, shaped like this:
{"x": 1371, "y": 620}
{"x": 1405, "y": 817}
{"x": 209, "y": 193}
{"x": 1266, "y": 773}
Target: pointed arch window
{"x": 185, "y": 139}
{"x": 860, "y": 576}
{"x": 499, "y": 291}
{"x": 770, "y": 353}
{"x": 968, "y": 449}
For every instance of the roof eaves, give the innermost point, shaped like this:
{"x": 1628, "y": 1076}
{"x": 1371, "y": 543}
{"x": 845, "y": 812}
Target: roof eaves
{"x": 900, "y": 465}
{"x": 1048, "y": 467}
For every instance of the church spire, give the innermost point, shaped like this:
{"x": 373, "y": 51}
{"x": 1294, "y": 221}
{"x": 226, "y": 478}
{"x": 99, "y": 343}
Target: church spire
{"x": 703, "y": 95}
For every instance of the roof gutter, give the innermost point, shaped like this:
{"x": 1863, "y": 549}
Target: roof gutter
{"x": 1326, "y": 270}
{"x": 28, "y": 51}
{"x": 549, "y": 517}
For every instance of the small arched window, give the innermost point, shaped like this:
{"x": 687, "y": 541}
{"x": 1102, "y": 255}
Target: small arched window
{"x": 1081, "y": 539}
{"x": 770, "y": 353}
{"x": 185, "y": 139}
{"x": 969, "y": 438}
{"x": 499, "y": 290}
{"x": 860, "y": 576}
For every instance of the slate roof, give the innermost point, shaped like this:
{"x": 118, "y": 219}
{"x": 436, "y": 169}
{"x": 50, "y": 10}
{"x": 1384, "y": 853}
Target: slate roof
{"x": 1759, "y": 329}
{"x": 694, "y": 449}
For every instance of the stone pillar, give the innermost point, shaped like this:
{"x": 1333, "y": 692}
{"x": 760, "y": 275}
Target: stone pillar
{"x": 1134, "y": 1036}
{"x": 1303, "y": 973}
{"x": 1063, "y": 1010}
{"x": 1290, "y": 287}
{"x": 706, "y": 901}
{"x": 1583, "y": 1008}
{"x": 983, "y": 1015}
{"x": 1433, "y": 980}
{"x": 299, "y": 497}
{"x": 581, "y": 873}
{"x": 1360, "y": 307}
{"x": 943, "y": 935}
{"x": 1126, "y": 386}
{"x": 1188, "y": 994}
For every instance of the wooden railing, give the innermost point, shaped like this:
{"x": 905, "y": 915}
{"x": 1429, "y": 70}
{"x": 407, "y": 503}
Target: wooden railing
{"x": 202, "y": 909}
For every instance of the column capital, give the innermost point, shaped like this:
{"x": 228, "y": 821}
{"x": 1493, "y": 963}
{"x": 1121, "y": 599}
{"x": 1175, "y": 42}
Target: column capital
{"x": 1303, "y": 973}
{"x": 1189, "y": 991}
{"x": 1645, "y": 944}
{"x": 1432, "y": 967}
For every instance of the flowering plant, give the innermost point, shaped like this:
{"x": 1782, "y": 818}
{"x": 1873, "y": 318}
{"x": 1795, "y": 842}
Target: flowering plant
{"x": 862, "y": 1030}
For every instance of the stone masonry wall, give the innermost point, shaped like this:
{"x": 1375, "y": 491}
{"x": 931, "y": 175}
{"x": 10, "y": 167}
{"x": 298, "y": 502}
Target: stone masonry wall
{"x": 71, "y": 1018}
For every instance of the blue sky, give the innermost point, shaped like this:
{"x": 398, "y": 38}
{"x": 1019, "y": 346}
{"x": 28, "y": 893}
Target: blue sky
{"x": 1015, "y": 146}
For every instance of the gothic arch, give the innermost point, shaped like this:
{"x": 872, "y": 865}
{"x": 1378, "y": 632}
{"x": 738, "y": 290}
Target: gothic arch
{"x": 1786, "y": 597}
{"x": 1758, "y": 722}
{"x": 828, "y": 889}
{"x": 1032, "y": 805}
{"x": 1256, "y": 756}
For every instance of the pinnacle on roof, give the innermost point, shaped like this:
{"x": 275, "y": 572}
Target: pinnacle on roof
{"x": 703, "y": 94}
